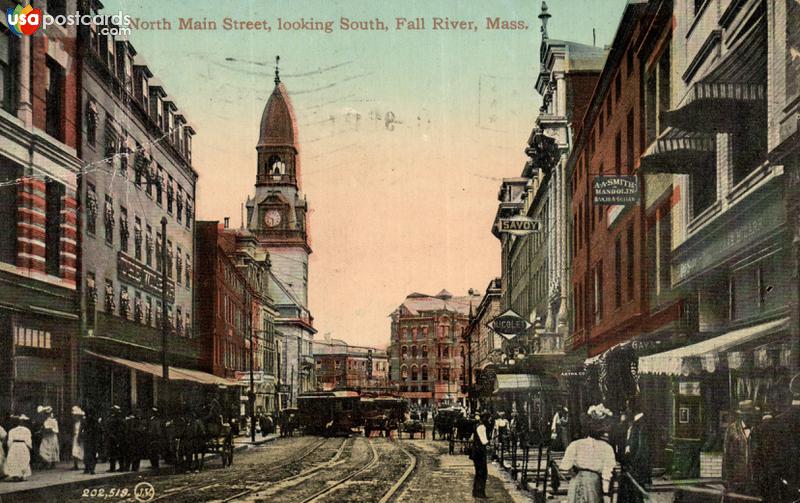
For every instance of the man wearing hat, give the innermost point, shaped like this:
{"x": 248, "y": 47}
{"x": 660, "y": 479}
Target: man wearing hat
{"x": 90, "y": 429}
{"x": 478, "y": 455}
{"x": 736, "y": 461}
{"x": 155, "y": 438}
{"x": 114, "y": 431}
{"x": 20, "y": 443}
{"x": 77, "y": 436}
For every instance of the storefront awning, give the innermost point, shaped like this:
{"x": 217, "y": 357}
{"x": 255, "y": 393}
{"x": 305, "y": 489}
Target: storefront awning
{"x": 513, "y": 383}
{"x": 175, "y": 373}
{"x": 705, "y": 355}
{"x": 679, "y": 151}
{"x": 716, "y": 106}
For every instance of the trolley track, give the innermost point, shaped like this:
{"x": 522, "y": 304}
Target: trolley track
{"x": 230, "y": 478}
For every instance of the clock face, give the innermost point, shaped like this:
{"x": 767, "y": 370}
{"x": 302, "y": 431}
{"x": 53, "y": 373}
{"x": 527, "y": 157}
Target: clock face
{"x": 272, "y": 218}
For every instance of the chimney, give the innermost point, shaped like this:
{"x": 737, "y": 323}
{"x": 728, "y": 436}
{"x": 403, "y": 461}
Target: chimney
{"x": 227, "y": 222}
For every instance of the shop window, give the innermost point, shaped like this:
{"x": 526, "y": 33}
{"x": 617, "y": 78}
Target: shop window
{"x": 54, "y": 97}
{"x": 618, "y": 272}
{"x": 630, "y": 260}
{"x": 758, "y": 287}
{"x": 704, "y": 189}
{"x": 54, "y": 192}
{"x": 8, "y": 59}
{"x": 748, "y": 146}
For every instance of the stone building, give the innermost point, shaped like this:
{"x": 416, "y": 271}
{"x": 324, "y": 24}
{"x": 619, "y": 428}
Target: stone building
{"x": 427, "y": 353}
{"x": 137, "y": 148}
{"x": 340, "y": 365}
{"x": 277, "y": 217}
{"x": 39, "y": 171}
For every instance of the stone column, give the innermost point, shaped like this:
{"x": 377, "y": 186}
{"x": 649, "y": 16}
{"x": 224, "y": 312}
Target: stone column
{"x": 25, "y": 107}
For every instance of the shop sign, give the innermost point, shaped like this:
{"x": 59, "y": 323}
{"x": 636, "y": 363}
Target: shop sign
{"x": 689, "y": 388}
{"x": 616, "y": 190}
{"x": 142, "y": 277}
{"x": 519, "y": 225}
{"x": 509, "y": 324}
{"x": 258, "y": 376}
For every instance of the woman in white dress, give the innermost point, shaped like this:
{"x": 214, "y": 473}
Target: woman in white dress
{"x": 77, "y": 436}
{"x": 49, "y": 447}
{"x": 18, "y": 463}
{"x": 3, "y": 436}
{"x": 591, "y": 459}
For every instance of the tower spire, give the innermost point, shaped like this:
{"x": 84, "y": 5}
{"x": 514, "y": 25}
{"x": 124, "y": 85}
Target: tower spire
{"x": 277, "y": 70}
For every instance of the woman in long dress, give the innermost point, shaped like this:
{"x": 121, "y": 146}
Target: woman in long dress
{"x": 3, "y": 436}
{"x": 77, "y": 436}
{"x": 20, "y": 443}
{"x": 591, "y": 459}
{"x": 49, "y": 447}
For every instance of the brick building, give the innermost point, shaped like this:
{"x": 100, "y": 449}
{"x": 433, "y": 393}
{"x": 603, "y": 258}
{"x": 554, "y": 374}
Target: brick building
{"x": 340, "y": 365}
{"x": 427, "y": 354}
{"x": 39, "y": 168}
{"x": 137, "y": 149}
{"x": 234, "y": 308}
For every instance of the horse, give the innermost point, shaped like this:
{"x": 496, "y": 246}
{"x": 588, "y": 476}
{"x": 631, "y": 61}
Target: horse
{"x": 186, "y": 436}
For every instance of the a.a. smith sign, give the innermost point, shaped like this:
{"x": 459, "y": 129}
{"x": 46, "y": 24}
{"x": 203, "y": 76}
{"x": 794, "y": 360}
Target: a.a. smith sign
{"x": 616, "y": 190}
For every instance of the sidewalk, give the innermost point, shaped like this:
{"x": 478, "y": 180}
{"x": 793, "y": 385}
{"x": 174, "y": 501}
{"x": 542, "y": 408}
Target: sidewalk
{"x": 63, "y": 475}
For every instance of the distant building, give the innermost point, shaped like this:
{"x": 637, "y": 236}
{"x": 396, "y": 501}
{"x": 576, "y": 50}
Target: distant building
{"x": 340, "y": 365}
{"x": 427, "y": 352}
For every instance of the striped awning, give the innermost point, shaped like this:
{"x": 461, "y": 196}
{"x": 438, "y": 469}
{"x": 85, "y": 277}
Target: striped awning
{"x": 512, "y": 383}
{"x": 708, "y": 355}
{"x": 679, "y": 151}
{"x": 716, "y": 106}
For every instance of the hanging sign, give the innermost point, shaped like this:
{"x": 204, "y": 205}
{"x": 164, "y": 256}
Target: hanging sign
{"x": 519, "y": 225}
{"x": 616, "y": 190}
{"x": 509, "y": 324}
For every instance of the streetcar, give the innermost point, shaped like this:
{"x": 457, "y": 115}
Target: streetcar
{"x": 329, "y": 413}
{"x": 382, "y": 414}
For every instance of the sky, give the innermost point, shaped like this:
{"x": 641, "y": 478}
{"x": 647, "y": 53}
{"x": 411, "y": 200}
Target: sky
{"x": 404, "y": 135}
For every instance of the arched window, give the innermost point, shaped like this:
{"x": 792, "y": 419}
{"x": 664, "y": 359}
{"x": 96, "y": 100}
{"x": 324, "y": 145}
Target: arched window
{"x": 424, "y": 351}
{"x": 404, "y": 351}
{"x": 414, "y": 373}
{"x": 446, "y": 352}
{"x": 424, "y": 372}
{"x": 276, "y": 166}
{"x": 413, "y": 351}
{"x": 404, "y": 372}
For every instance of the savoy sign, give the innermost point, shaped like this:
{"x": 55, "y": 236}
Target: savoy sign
{"x": 616, "y": 190}
{"x": 519, "y": 225}
{"x": 509, "y": 324}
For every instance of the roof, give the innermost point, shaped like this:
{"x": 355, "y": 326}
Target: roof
{"x": 443, "y": 301}
{"x": 278, "y": 124}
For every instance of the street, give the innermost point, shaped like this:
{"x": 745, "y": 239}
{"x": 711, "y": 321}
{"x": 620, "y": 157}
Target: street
{"x": 298, "y": 469}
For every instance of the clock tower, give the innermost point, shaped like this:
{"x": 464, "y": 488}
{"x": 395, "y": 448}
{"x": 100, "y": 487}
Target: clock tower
{"x": 277, "y": 213}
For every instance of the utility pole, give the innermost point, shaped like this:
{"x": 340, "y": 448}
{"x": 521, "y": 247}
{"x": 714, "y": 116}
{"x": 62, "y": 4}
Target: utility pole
{"x": 252, "y": 395}
{"x": 164, "y": 327}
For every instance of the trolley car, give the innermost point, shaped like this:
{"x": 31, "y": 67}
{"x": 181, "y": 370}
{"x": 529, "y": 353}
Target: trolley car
{"x": 329, "y": 413}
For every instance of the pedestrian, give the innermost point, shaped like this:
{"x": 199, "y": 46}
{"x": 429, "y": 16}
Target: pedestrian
{"x": 77, "y": 436}
{"x": 136, "y": 431}
{"x": 500, "y": 432}
{"x": 635, "y": 460}
{"x": 560, "y": 435}
{"x": 478, "y": 455}
{"x": 114, "y": 429}
{"x": 155, "y": 438}
{"x": 3, "y": 436}
{"x": 90, "y": 436}
{"x": 20, "y": 444}
{"x": 591, "y": 459}
{"x": 736, "y": 459}
{"x": 49, "y": 445}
